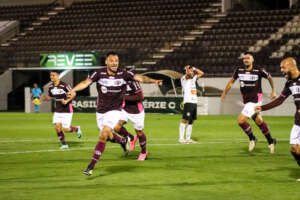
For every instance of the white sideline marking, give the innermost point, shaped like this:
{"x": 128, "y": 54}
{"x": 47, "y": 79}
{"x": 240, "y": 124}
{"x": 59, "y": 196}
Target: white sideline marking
{"x": 219, "y": 141}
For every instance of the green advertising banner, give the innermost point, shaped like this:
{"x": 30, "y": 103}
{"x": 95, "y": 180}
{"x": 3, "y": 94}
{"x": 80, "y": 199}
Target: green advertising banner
{"x": 81, "y": 59}
{"x": 151, "y": 104}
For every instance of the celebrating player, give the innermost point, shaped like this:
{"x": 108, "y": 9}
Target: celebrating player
{"x": 250, "y": 86}
{"x": 62, "y": 117}
{"x": 190, "y": 100}
{"x": 111, "y": 87}
{"x": 134, "y": 111}
{"x": 292, "y": 87}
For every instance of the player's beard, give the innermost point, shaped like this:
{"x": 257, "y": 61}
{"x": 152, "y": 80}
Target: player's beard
{"x": 287, "y": 75}
{"x": 112, "y": 70}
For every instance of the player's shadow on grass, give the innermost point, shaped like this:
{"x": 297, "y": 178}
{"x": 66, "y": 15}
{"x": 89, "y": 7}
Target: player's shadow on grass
{"x": 75, "y": 143}
{"x": 294, "y": 172}
{"x": 114, "y": 170}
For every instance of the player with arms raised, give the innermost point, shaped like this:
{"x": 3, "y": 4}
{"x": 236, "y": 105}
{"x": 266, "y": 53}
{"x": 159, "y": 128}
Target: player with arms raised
{"x": 190, "y": 100}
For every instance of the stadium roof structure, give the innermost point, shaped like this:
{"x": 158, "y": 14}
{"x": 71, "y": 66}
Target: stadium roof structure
{"x": 171, "y": 79}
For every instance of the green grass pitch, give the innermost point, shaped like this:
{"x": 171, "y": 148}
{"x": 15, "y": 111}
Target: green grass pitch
{"x": 218, "y": 167}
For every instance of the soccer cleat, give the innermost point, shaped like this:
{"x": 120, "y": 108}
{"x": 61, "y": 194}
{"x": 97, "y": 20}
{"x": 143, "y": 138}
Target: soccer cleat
{"x": 132, "y": 143}
{"x": 78, "y": 132}
{"x": 181, "y": 141}
{"x": 190, "y": 141}
{"x": 272, "y": 146}
{"x": 252, "y": 144}
{"x": 124, "y": 146}
{"x": 64, "y": 146}
{"x": 143, "y": 156}
{"x": 88, "y": 171}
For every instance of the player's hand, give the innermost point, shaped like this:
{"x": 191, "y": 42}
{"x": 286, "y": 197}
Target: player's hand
{"x": 64, "y": 101}
{"x": 158, "y": 82}
{"x": 71, "y": 94}
{"x": 273, "y": 95}
{"x": 43, "y": 98}
{"x": 257, "y": 109}
{"x": 223, "y": 97}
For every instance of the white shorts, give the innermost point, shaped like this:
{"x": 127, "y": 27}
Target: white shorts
{"x": 136, "y": 119}
{"x": 248, "y": 109}
{"x": 64, "y": 118}
{"x": 110, "y": 119}
{"x": 295, "y": 135}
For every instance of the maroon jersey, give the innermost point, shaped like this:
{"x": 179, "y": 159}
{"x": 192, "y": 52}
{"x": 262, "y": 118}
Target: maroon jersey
{"x": 59, "y": 93}
{"x": 292, "y": 87}
{"x": 133, "y": 107}
{"x": 111, "y": 89}
{"x": 250, "y": 83}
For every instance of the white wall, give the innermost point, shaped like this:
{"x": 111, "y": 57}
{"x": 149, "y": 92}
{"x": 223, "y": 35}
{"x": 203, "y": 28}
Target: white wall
{"x": 5, "y": 88}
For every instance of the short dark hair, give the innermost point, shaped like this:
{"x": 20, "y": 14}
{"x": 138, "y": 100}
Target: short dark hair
{"x": 111, "y": 53}
{"x": 55, "y": 71}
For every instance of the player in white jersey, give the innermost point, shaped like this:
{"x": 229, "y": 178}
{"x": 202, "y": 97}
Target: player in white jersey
{"x": 188, "y": 83}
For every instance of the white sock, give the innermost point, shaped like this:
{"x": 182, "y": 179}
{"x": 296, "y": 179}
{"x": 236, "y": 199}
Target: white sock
{"x": 181, "y": 131}
{"x": 189, "y": 131}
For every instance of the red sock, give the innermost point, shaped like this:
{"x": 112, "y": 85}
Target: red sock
{"x": 74, "y": 128}
{"x": 123, "y": 132}
{"x": 143, "y": 143}
{"x": 61, "y": 137}
{"x": 99, "y": 149}
{"x": 118, "y": 139}
{"x": 247, "y": 129}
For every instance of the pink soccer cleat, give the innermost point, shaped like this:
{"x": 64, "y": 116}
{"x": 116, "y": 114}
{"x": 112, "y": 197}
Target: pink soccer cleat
{"x": 143, "y": 156}
{"x": 132, "y": 143}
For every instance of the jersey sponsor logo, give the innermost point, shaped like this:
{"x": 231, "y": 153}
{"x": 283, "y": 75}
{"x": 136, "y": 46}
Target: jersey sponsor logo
{"x": 295, "y": 89}
{"x": 248, "y": 77}
{"x": 103, "y": 89}
{"x": 193, "y": 92}
{"x": 111, "y": 82}
{"x": 57, "y": 91}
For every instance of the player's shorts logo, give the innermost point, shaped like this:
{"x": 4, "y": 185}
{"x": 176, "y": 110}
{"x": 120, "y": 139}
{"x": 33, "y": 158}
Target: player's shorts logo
{"x": 103, "y": 89}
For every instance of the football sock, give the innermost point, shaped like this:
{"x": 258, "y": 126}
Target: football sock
{"x": 123, "y": 131}
{"x": 297, "y": 157}
{"x": 74, "y": 129}
{"x": 247, "y": 129}
{"x": 99, "y": 149}
{"x": 118, "y": 139}
{"x": 181, "y": 131}
{"x": 265, "y": 130}
{"x": 189, "y": 131}
{"x": 61, "y": 137}
{"x": 143, "y": 143}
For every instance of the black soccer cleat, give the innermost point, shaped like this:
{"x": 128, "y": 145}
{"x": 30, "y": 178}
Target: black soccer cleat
{"x": 124, "y": 146}
{"x": 88, "y": 171}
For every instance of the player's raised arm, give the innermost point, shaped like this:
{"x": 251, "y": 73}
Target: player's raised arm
{"x": 227, "y": 88}
{"x": 198, "y": 71}
{"x": 80, "y": 86}
{"x": 146, "y": 79}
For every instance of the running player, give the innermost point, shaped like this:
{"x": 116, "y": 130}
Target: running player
{"x": 250, "y": 86}
{"x": 111, "y": 87}
{"x": 62, "y": 117}
{"x": 292, "y": 87}
{"x": 190, "y": 100}
{"x": 134, "y": 111}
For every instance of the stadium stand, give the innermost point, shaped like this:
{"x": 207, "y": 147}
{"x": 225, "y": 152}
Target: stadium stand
{"x": 138, "y": 30}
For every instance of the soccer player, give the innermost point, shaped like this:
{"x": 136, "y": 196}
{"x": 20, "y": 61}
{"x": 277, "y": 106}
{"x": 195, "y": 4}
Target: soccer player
{"x": 291, "y": 72}
{"x": 62, "y": 117}
{"x": 134, "y": 111}
{"x": 36, "y": 95}
{"x": 250, "y": 86}
{"x": 190, "y": 99}
{"x": 111, "y": 87}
